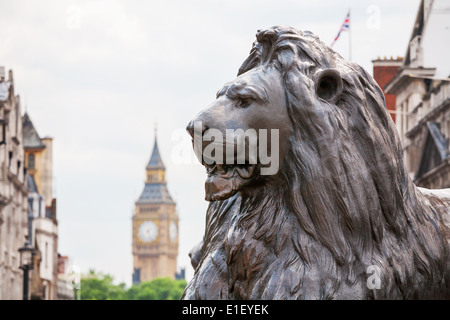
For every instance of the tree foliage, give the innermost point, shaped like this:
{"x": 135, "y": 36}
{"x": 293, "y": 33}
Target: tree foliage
{"x": 99, "y": 286}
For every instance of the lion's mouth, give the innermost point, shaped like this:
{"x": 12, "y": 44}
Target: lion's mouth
{"x": 225, "y": 180}
{"x": 245, "y": 171}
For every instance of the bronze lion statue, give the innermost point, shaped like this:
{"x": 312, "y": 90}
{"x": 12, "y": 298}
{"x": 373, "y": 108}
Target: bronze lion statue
{"x": 341, "y": 203}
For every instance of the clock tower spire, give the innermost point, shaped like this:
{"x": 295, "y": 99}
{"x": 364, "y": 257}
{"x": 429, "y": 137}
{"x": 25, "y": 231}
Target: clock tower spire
{"x": 155, "y": 225}
{"x": 156, "y": 171}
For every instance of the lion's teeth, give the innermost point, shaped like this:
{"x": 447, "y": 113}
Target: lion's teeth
{"x": 246, "y": 171}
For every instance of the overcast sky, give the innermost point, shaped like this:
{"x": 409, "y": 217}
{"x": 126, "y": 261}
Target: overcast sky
{"x": 96, "y": 75}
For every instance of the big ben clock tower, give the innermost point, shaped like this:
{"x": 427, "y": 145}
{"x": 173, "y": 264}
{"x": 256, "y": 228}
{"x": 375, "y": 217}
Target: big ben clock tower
{"x": 155, "y": 226}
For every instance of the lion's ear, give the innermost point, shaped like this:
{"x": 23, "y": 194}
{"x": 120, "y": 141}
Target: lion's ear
{"x": 329, "y": 85}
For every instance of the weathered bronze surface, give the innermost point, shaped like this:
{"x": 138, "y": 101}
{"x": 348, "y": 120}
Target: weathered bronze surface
{"x": 341, "y": 203}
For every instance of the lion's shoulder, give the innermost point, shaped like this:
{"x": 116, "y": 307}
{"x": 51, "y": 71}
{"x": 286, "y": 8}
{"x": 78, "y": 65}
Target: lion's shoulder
{"x": 440, "y": 200}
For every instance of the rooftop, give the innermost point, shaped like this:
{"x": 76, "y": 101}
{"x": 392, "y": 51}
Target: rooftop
{"x": 31, "y": 137}
{"x": 155, "y": 161}
{"x": 155, "y": 193}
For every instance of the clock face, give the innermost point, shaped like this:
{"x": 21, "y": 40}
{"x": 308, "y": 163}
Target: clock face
{"x": 173, "y": 230}
{"x": 148, "y": 231}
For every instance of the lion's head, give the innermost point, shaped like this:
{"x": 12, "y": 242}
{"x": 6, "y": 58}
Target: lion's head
{"x": 291, "y": 83}
{"x": 253, "y": 101}
{"x": 341, "y": 200}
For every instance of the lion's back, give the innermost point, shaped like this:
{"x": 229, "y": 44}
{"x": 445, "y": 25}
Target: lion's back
{"x": 439, "y": 199}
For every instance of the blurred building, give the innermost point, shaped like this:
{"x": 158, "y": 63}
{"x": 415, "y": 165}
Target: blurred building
{"x": 65, "y": 283}
{"x": 422, "y": 91}
{"x": 155, "y": 226}
{"x": 42, "y": 212}
{"x": 13, "y": 190}
{"x": 39, "y": 161}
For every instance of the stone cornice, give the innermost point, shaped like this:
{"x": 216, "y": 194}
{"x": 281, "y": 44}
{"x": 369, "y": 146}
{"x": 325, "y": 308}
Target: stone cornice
{"x": 430, "y": 115}
{"x": 404, "y": 76}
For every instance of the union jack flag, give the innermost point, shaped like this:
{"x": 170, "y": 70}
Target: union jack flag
{"x": 345, "y": 26}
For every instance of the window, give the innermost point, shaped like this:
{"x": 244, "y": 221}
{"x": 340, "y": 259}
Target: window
{"x": 31, "y": 161}
{"x": 10, "y": 157}
{"x": 46, "y": 254}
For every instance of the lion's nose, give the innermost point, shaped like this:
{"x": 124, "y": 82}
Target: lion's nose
{"x": 196, "y": 123}
{"x": 190, "y": 128}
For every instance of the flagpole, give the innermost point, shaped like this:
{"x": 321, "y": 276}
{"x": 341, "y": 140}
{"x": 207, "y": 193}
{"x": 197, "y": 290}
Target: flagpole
{"x": 349, "y": 37}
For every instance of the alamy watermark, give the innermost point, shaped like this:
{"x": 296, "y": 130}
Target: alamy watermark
{"x": 374, "y": 20}
{"x": 73, "y": 21}
{"x": 73, "y": 281}
{"x": 238, "y": 147}
{"x": 374, "y": 280}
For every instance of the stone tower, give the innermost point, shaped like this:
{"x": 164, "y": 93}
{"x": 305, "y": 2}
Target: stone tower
{"x": 155, "y": 226}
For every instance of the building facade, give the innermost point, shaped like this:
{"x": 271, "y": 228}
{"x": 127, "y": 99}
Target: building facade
{"x": 39, "y": 159}
{"x": 13, "y": 191}
{"x": 42, "y": 212}
{"x": 67, "y": 279}
{"x": 422, "y": 90}
{"x": 155, "y": 226}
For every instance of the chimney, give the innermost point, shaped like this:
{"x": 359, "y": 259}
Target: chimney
{"x": 383, "y": 72}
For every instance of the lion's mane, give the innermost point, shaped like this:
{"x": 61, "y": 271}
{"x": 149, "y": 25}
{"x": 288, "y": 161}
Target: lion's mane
{"x": 346, "y": 202}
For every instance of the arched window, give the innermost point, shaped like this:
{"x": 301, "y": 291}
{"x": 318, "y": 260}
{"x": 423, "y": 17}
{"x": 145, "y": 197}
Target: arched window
{"x": 31, "y": 161}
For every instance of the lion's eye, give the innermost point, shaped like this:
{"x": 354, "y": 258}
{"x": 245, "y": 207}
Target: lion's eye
{"x": 244, "y": 102}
